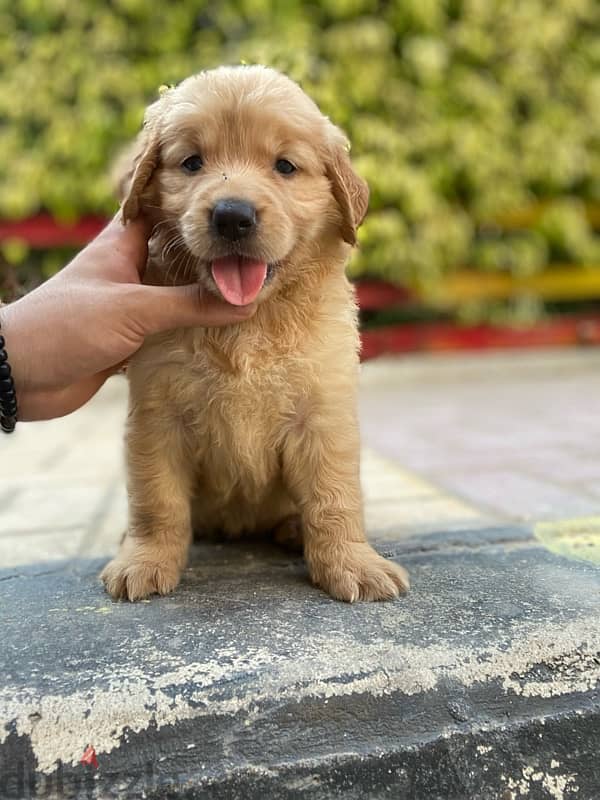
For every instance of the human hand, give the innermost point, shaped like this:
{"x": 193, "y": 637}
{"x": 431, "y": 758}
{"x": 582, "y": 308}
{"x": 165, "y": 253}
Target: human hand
{"x": 65, "y": 338}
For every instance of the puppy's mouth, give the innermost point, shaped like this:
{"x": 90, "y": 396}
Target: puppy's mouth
{"x": 240, "y": 278}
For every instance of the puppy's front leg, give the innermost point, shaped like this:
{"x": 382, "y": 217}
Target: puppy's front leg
{"x": 155, "y": 548}
{"x": 321, "y": 467}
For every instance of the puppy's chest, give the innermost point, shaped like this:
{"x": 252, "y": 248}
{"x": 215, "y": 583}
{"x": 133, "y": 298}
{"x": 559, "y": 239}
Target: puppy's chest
{"x": 239, "y": 416}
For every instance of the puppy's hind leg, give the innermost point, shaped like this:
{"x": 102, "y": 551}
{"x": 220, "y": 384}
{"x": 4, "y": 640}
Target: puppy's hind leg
{"x": 155, "y": 547}
{"x": 288, "y": 534}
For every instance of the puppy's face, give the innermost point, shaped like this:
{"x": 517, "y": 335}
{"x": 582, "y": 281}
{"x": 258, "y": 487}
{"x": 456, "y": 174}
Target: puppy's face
{"x": 250, "y": 178}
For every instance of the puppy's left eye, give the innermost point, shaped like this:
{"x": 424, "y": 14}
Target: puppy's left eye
{"x": 284, "y": 166}
{"x": 192, "y": 164}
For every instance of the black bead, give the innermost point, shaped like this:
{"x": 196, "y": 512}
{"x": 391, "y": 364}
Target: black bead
{"x": 8, "y": 396}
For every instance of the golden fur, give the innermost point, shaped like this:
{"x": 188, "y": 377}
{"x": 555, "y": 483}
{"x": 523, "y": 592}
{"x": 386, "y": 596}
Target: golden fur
{"x": 250, "y": 427}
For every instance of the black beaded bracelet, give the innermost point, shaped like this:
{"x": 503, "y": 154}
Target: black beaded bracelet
{"x": 8, "y": 395}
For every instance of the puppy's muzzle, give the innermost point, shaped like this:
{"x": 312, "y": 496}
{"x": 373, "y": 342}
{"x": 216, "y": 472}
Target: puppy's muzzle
{"x": 233, "y": 219}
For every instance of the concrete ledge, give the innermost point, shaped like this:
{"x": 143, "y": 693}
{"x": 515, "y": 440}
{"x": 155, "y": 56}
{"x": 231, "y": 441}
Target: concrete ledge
{"x": 248, "y": 683}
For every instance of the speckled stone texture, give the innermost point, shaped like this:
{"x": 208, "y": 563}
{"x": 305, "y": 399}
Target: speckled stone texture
{"x": 249, "y": 683}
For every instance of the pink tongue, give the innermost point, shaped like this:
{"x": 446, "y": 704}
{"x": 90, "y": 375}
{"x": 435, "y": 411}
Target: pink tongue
{"x": 239, "y": 279}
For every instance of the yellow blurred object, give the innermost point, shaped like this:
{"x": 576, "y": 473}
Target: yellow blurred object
{"x": 557, "y": 283}
{"x": 15, "y": 251}
{"x": 575, "y": 538}
{"x": 528, "y": 216}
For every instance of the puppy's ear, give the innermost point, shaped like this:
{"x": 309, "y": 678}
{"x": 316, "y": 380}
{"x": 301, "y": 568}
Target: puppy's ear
{"x": 137, "y": 166}
{"x": 350, "y": 190}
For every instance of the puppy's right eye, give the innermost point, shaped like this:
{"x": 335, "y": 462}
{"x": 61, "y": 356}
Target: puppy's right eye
{"x": 284, "y": 166}
{"x": 192, "y": 164}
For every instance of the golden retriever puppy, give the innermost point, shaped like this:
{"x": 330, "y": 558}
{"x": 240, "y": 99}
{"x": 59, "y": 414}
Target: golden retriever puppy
{"x": 251, "y": 427}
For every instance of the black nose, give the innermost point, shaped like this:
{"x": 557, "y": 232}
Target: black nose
{"x": 233, "y": 219}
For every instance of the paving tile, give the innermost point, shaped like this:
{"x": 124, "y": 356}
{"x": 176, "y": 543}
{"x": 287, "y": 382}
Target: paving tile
{"x": 382, "y": 479}
{"x": 398, "y": 503}
{"x": 51, "y": 505}
{"x": 520, "y": 497}
{"x": 104, "y": 535}
{"x": 47, "y": 544}
{"x": 57, "y": 495}
{"x": 469, "y": 423}
{"x": 398, "y": 520}
{"x": 568, "y": 468}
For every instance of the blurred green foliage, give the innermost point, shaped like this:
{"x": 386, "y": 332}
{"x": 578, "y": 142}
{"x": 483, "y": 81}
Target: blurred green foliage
{"x": 458, "y": 110}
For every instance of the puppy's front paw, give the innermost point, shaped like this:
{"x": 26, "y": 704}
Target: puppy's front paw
{"x": 135, "y": 579}
{"x": 356, "y": 572}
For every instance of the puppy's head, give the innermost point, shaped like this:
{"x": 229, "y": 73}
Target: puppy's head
{"x": 243, "y": 174}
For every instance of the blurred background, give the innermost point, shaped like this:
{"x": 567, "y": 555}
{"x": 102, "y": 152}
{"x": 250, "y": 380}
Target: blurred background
{"x": 475, "y": 122}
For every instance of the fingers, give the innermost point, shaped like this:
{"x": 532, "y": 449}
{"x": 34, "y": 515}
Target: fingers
{"x": 160, "y": 308}
{"x": 140, "y": 226}
{"x": 129, "y": 239}
{"x": 118, "y": 253}
{"x": 135, "y": 231}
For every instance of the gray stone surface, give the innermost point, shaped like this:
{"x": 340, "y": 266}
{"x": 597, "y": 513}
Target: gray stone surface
{"x": 482, "y": 683}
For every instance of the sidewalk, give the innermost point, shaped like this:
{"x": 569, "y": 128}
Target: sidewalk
{"x": 247, "y": 682}
{"x": 517, "y": 435}
{"x": 449, "y": 442}
{"x": 65, "y": 494}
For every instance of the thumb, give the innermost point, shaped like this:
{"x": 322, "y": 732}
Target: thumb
{"x": 160, "y": 308}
